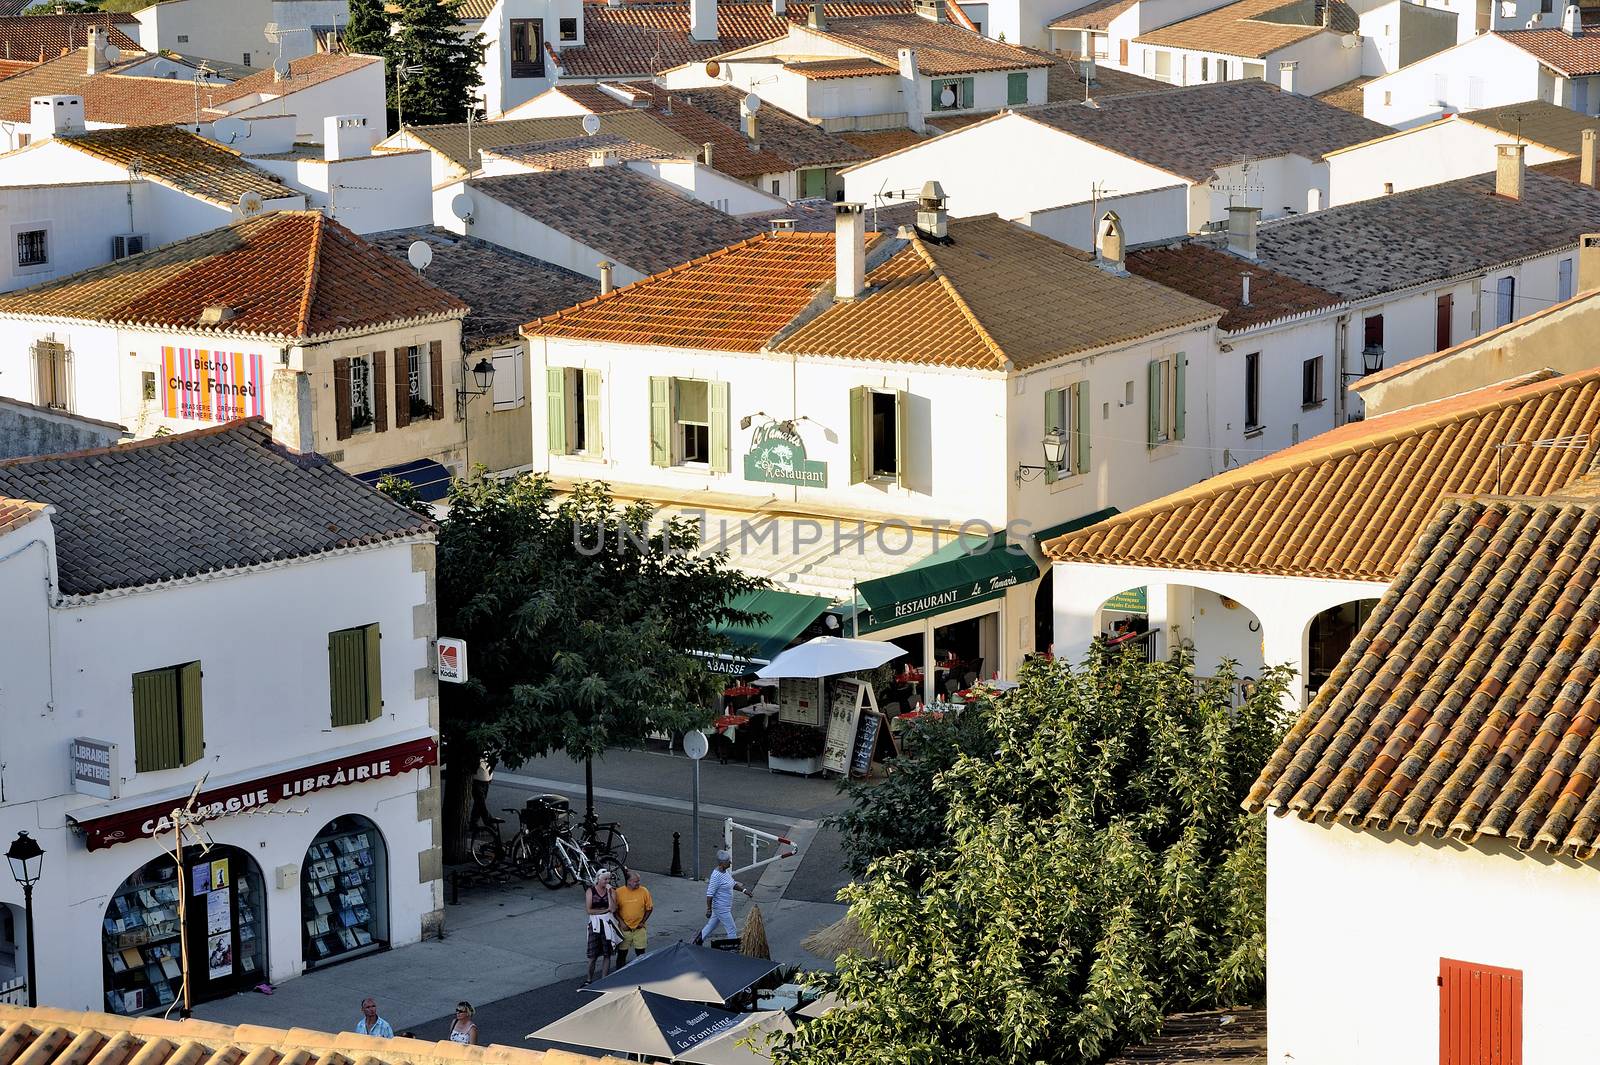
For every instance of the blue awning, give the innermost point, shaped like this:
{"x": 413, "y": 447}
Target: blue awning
{"x": 429, "y": 478}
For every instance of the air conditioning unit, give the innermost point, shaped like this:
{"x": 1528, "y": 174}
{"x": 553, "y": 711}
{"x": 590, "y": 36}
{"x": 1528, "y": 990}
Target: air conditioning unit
{"x": 126, "y": 244}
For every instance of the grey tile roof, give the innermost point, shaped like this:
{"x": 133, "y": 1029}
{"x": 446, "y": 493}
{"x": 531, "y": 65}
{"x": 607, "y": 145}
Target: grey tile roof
{"x": 216, "y": 499}
{"x": 792, "y": 139}
{"x": 814, "y": 214}
{"x": 1193, "y": 131}
{"x": 1552, "y": 125}
{"x": 504, "y": 288}
{"x": 1427, "y": 234}
{"x": 627, "y": 217}
{"x": 573, "y": 152}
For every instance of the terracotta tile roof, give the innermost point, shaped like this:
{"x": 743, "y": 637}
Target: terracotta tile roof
{"x": 815, "y": 214}
{"x": 181, "y": 159}
{"x": 504, "y": 288}
{"x": 634, "y": 40}
{"x": 1217, "y": 1037}
{"x": 474, "y": 10}
{"x": 15, "y": 512}
{"x": 45, "y": 1036}
{"x": 40, "y": 37}
{"x": 943, "y": 48}
{"x": 450, "y": 139}
{"x": 731, "y": 152}
{"x": 1560, "y": 51}
{"x": 1215, "y": 277}
{"x": 573, "y": 152}
{"x": 304, "y": 73}
{"x": 1562, "y": 169}
{"x": 9, "y": 67}
{"x": 735, "y": 299}
{"x": 289, "y": 275}
{"x": 624, "y": 216}
{"x": 1066, "y": 82}
{"x": 1543, "y": 123}
{"x": 1349, "y": 504}
{"x": 828, "y": 69}
{"x": 1466, "y": 706}
{"x": 1423, "y": 235}
{"x": 216, "y": 499}
{"x": 874, "y": 143}
{"x": 108, "y": 97}
{"x": 1193, "y": 131}
{"x": 1095, "y": 16}
{"x": 1253, "y": 29}
{"x": 795, "y": 141}
{"x": 1347, "y": 97}
{"x": 597, "y": 100}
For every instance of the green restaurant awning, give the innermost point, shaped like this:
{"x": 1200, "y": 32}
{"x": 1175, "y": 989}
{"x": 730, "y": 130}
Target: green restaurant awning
{"x": 788, "y": 615}
{"x": 958, "y": 574}
{"x": 1045, "y": 535}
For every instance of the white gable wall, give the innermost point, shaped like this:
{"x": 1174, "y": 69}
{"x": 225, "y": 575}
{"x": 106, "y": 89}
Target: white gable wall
{"x": 1160, "y": 214}
{"x": 358, "y": 92}
{"x": 1421, "y": 156}
{"x": 508, "y": 227}
{"x": 1484, "y": 72}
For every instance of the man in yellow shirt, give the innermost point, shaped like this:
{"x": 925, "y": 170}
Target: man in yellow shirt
{"x": 634, "y": 906}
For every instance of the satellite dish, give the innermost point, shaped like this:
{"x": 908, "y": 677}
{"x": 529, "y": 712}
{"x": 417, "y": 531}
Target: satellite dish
{"x": 947, "y": 96}
{"x": 419, "y": 254}
{"x": 112, "y": 53}
{"x": 751, "y": 103}
{"x": 591, "y": 124}
{"x": 462, "y": 207}
{"x": 1350, "y": 40}
{"x": 713, "y": 68}
{"x": 249, "y": 204}
{"x": 163, "y": 69}
{"x": 228, "y": 130}
{"x": 281, "y": 67}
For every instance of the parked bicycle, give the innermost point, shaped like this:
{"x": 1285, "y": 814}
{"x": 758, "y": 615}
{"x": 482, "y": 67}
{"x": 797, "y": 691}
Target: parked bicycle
{"x": 570, "y": 860}
{"x": 520, "y": 850}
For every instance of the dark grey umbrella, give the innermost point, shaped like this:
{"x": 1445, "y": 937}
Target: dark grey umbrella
{"x": 691, "y": 973}
{"x": 639, "y": 1022}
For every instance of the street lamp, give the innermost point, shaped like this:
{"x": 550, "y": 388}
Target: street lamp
{"x": 1371, "y": 362}
{"x": 1055, "y": 453}
{"x": 27, "y": 862}
{"x": 483, "y": 376}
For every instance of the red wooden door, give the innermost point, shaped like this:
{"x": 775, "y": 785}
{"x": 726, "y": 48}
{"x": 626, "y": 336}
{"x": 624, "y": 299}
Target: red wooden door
{"x": 1442, "y": 329}
{"x": 1122, "y": 52}
{"x": 1480, "y": 1014}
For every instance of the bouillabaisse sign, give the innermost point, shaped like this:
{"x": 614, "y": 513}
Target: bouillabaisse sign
{"x": 229, "y": 799}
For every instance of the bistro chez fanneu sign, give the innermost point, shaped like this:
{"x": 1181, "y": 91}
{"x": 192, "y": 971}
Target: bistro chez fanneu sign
{"x": 228, "y": 799}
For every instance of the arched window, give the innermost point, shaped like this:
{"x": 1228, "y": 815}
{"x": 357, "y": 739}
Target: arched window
{"x": 344, "y": 886}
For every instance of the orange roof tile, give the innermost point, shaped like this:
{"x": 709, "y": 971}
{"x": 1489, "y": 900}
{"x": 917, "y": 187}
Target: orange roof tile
{"x": 108, "y": 97}
{"x": 942, "y": 47}
{"x": 1217, "y": 277}
{"x": 1348, "y": 504}
{"x": 39, "y": 37}
{"x": 1557, "y": 49}
{"x": 292, "y": 275}
{"x": 303, "y": 74}
{"x": 1252, "y": 28}
{"x": 14, "y": 512}
{"x": 181, "y": 159}
{"x": 828, "y": 69}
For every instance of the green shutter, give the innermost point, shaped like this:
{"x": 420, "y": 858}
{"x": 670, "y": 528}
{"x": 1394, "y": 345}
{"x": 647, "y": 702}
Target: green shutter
{"x": 346, "y": 676}
{"x": 660, "y": 421}
{"x": 1017, "y": 88}
{"x": 1153, "y": 402}
{"x": 155, "y": 721}
{"x": 902, "y": 449}
{"x": 1080, "y": 427}
{"x": 1052, "y": 408}
{"x": 860, "y": 433}
{"x": 192, "y": 722}
{"x": 718, "y": 432}
{"x": 1180, "y": 367}
{"x": 966, "y": 92}
{"x": 591, "y": 412}
{"x": 372, "y": 671}
{"x": 555, "y": 386}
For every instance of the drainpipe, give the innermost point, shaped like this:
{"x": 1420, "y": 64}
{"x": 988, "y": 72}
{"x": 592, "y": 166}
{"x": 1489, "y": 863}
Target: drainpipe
{"x": 1341, "y": 340}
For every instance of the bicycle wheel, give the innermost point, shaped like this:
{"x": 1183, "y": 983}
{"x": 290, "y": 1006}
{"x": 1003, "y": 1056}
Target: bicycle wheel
{"x": 619, "y": 848}
{"x": 485, "y": 851}
{"x": 522, "y": 856}
{"x": 569, "y": 861}
{"x": 609, "y": 863}
{"x": 548, "y": 866}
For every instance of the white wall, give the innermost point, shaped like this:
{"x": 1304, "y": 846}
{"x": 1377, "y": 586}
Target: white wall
{"x": 548, "y": 104}
{"x": 1484, "y": 72}
{"x": 1160, "y": 214}
{"x": 292, "y": 15}
{"x": 1280, "y": 186}
{"x": 709, "y": 186}
{"x": 225, "y": 30}
{"x": 374, "y": 193}
{"x": 500, "y": 90}
{"x": 359, "y": 92}
{"x": 1350, "y": 979}
{"x": 1421, "y": 156}
{"x": 504, "y": 225}
{"x": 1285, "y": 421}
{"x": 77, "y": 218}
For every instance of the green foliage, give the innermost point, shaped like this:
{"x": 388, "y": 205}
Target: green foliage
{"x": 368, "y": 29}
{"x": 787, "y": 739}
{"x": 70, "y": 7}
{"x": 427, "y": 38}
{"x": 1093, "y": 874}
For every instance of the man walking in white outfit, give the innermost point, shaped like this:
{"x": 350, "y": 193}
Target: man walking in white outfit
{"x": 720, "y": 886}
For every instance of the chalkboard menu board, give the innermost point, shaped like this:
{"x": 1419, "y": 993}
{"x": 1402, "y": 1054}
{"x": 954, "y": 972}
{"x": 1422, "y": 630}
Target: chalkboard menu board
{"x": 844, "y": 711}
{"x": 866, "y": 743}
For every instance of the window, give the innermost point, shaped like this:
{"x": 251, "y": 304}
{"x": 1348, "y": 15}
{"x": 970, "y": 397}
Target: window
{"x": 688, "y": 422}
{"x": 877, "y": 435}
{"x": 1388, "y": 188}
{"x": 1480, "y": 1013}
{"x": 247, "y": 59}
{"x": 147, "y": 385}
{"x": 952, "y": 94}
{"x": 1443, "y": 311}
{"x": 1311, "y": 382}
{"x": 1255, "y": 72}
{"x": 168, "y": 728}
{"x": 1017, "y": 88}
{"x": 24, "y": 139}
{"x": 510, "y": 385}
{"x": 52, "y": 366}
{"x": 1252, "y": 393}
{"x": 1564, "y": 279}
{"x": 183, "y": 38}
{"x": 574, "y": 409}
{"x": 1066, "y": 410}
{"x": 355, "y": 689}
{"x": 527, "y": 48}
{"x": 1372, "y": 333}
{"x": 1165, "y": 401}
{"x": 1505, "y": 301}
{"x": 569, "y": 29}
{"x": 692, "y": 415}
{"x": 33, "y": 247}
{"x": 1205, "y": 68}
{"x": 360, "y": 393}
{"x": 776, "y": 185}
{"x": 413, "y": 362}
{"x": 1224, "y": 71}
{"x": 1388, "y": 98}
{"x": 813, "y": 183}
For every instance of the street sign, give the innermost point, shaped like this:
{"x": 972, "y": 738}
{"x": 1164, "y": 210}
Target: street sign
{"x": 695, "y": 744}
{"x": 96, "y": 769}
{"x": 452, "y": 655}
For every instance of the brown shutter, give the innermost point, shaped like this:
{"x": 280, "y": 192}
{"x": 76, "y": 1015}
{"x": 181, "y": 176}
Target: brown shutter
{"x": 436, "y": 371}
{"x": 402, "y": 389}
{"x": 380, "y": 393}
{"x": 341, "y": 398}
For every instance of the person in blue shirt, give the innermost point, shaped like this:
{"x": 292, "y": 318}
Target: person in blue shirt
{"x": 371, "y": 1023}
{"x": 720, "y": 886}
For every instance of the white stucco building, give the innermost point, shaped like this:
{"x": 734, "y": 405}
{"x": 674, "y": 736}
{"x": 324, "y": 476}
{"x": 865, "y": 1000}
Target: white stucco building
{"x": 521, "y": 41}
{"x": 319, "y": 790}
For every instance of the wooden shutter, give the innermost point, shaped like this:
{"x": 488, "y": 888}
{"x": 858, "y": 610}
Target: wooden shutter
{"x": 156, "y": 744}
{"x": 1080, "y": 427}
{"x": 44, "y": 364}
{"x": 966, "y": 92}
{"x": 341, "y": 398}
{"x": 555, "y": 396}
{"x": 372, "y": 671}
{"x": 1480, "y": 1014}
{"x": 436, "y": 374}
{"x": 1016, "y": 88}
{"x": 660, "y": 421}
{"x": 1180, "y": 372}
{"x": 192, "y": 722}
{"x": 717, "y": 394}
{"x": 402, "y": 388}
{"x": 1053, "y": 405}
{"x": 1443, "y": 311}
{"x": 860, "y": 433}
{"x": 1153, "y": 403}
{"x": 380, "y": 388}
{"x": 347, "y": 696}
{"x": 591, "y": 412}
{"x": 902, "y": 448}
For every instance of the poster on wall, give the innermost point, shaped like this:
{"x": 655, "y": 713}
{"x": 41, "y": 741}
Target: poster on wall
{"x": 219, "y": 874}
{"x": 211, "y": 386}
{"x": 200, "y": 876}
{"x": 218, "y": 917}
{"x": 844, "y": 711}
{"x": 800, "y": 700}
{"x": 219, "y": 955}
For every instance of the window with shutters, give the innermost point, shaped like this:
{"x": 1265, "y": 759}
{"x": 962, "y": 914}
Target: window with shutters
{"x": 1066, "y": 411}
{"x": 573, "y": 409}
{"x": 168, "y": 725}
{"x": 952, "y": 94}
{"x": 877, "y": 435}
{"x": 361, "y": 395}
{"x": 510, "y": 385}
{"x": 1017, "y": 88}
{"x": 413, "y": 362}
{"x": 688, "y": 423}
{"x": 1480, "y": 1014}
{"x": 1252, "y": 393}
{"x": 527, "y": 48}
{"x": 354, "y": 688}
{"x": 1311, "y": 393}
{"x": 52, "y": 374}
{"x": 1165, "y": 401}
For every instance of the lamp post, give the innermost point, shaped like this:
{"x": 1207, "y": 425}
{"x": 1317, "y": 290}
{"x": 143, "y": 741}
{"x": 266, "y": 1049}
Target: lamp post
{"x": 27, "y": 862}
{"x": 483, "y": 377}
{"x": 1055, "y": 453}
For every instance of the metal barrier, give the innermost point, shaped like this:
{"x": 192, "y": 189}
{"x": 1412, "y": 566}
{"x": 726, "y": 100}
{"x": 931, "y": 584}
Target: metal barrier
{"x": 757, "y": 838}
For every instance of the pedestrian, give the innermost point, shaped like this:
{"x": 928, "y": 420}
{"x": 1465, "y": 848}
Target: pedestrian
{"x": 600, "y": 903}
{"x": 720, "y": 886}
{"x": 463, "y": 1029}
{"x": 480, "y": 795}
{"x": 370, "y": 1023}
{"x": 634, "y": 907}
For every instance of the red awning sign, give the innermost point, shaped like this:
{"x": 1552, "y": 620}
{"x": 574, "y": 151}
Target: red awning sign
{"x": 228, "y": 799}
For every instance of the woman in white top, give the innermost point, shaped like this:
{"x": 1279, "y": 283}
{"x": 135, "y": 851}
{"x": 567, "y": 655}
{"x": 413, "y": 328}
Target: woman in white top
{"x": 463, "y": 1030}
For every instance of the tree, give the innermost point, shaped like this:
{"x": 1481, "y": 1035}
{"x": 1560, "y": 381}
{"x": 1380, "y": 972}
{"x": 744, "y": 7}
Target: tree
{"x": 369, "y": 27}
{"x": 62, "y": 7}
{"x": 581, "y": 620}
{"x": 1094, "y": 873}
{"x": 431, "y": 66}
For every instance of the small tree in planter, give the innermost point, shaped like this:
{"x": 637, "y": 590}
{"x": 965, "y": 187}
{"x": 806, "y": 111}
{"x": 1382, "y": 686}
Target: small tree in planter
{"x": 793, "y": 748}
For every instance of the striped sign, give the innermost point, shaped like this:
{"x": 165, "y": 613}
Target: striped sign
{"x": 211, "y": 386}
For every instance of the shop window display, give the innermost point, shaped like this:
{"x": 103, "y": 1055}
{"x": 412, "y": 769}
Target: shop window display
{"x": 344, "y": 888}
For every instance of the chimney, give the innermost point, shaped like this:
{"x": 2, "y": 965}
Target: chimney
{"x": 910, "y": 94}
{"x": 1110, "y": 247}
{"x": 1510, "y": 167}
{"x": 932, "y": 10}
{"x": 705, "y": 150}
{"x": 604, "y": 157}
{"x": 1572, "y": 21}
{"x": 752, "y": 130}
{"x": 849, "y": 251}
{"x": 345, "y": 137}
{"x": 703, "y": 20}
{"x": 932, "y": 220}
{"x": 1588, "y": 262}
{"x": 1244, "y": 298}
{"x": 780, "y": 9}
{"x": 97, "y": 51}
{"x": 1286, "y": 72}
{"x": 783, "y": 225}
{"x": 53, "y": 116}
{"x": 605, "y": 277}
{"x": 1242, "y": 230}
{"x": 1586, "y": 172}
{"x": 816, "y": 19}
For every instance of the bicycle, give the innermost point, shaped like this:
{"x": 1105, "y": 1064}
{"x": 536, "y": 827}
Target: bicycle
{"x": 566, "y": 861}
{"x": 490, "y": 851}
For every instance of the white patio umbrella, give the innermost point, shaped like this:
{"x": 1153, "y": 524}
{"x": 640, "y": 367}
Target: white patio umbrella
{"x": 825, "y": 656}
{"x": 730, "y": 1048}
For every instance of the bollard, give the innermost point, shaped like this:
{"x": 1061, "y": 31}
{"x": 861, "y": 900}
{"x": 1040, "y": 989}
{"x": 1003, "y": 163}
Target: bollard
{"x": 677, "y": 860}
